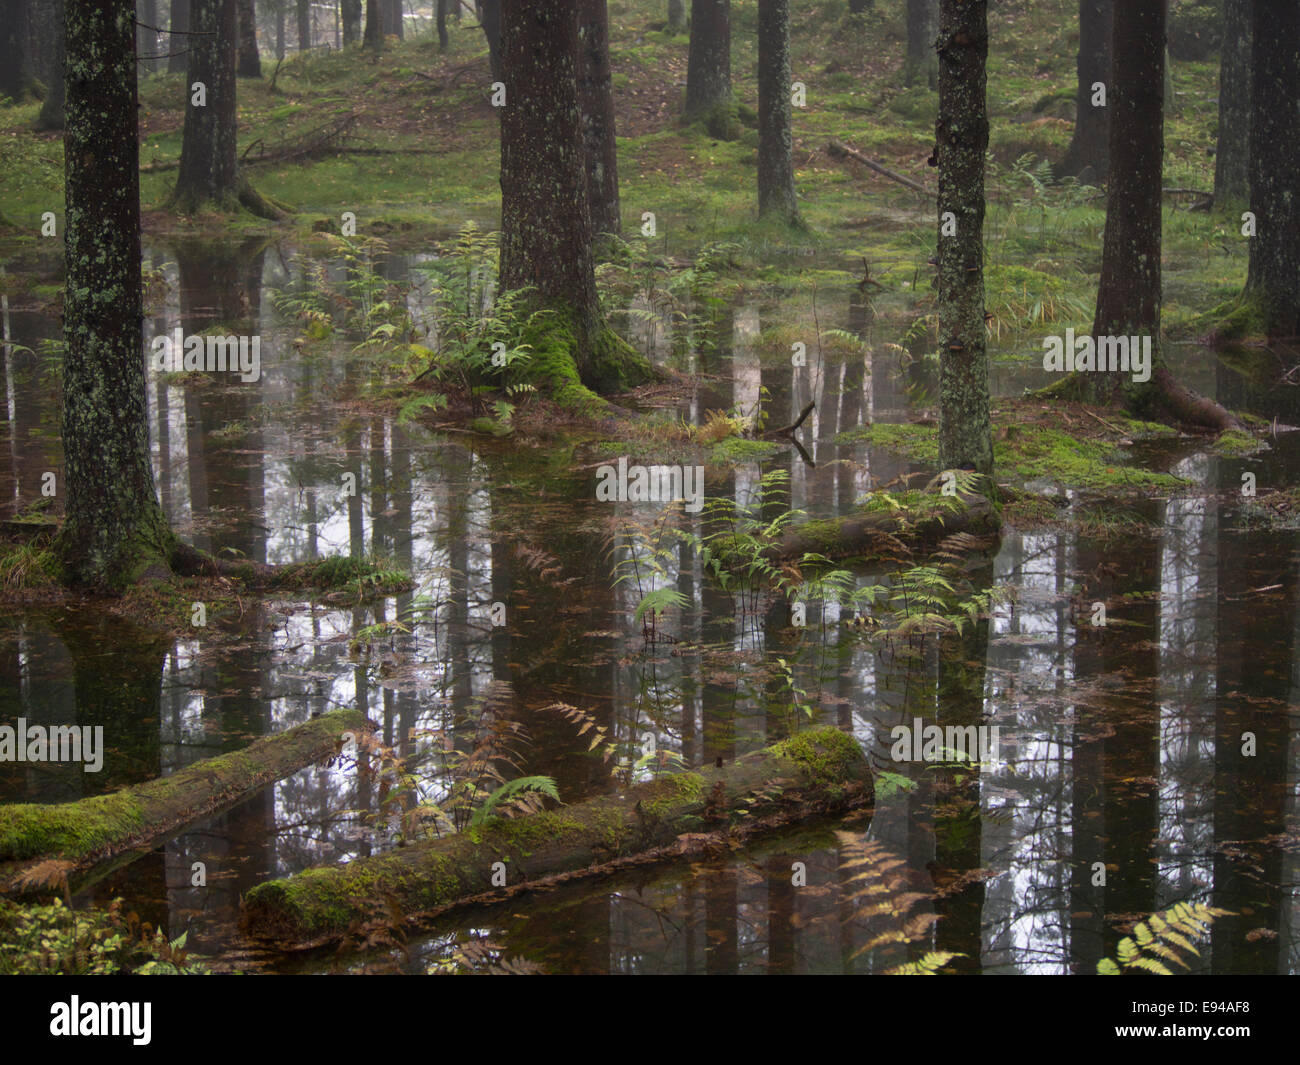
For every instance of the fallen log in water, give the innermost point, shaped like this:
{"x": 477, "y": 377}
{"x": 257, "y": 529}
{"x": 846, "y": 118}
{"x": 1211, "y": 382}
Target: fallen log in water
{"x": 820, "y": 771}
{"x": 79, "y": 835}
{"x": 886, "y": 532}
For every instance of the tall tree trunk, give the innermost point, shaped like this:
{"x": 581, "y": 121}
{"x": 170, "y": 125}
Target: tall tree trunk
{"x": 1128, "y": 295}
{"x": 250, "y": 63}
{"x": 208, "y": 172}
{"x": 146, "y": 35}
{"x": 393, "y": 22}
{"x": 178, "y": 44}
{"x": 1232, "y": 155}
{"x": 1274, "y": 276}
{"x": 51, "y": 116}
{"x": 279, "y": 32}
{"x": 596, "y": 96}
{"x": 351, "y": 15}
{"x": 961, "y": 141}
{"x": 489, "y": 17}
{"x": 114, "y": 530}
{"x": 676, "y": 16}
{"x": 922, "y": 23}
{"x": 15, "y": 48}
{"x": 776, "y": 195}
{"x": 443, "y": 39}
{"x": 546, "y": 236}
{"x": 1088, "y": 157}
{"x": 374, "y": 37}
{"x": 304, "y": 25}
{"x": 708, "y": 65}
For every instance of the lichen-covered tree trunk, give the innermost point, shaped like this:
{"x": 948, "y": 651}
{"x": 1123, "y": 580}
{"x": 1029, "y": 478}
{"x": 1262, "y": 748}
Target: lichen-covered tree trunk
{"x": 922, "y": 24}
{"x": 51, "y": 116}
{"x": 961, "y": 140}
{"x": 776, "y": 195}
{"x": 708, "y": 64}
{"x": 1274, "y": 276}
{"x": 546, "y": 231}
{"x": 114, "y": 530}
{"x": 250, "y": 63}
{"x": 596, "y": 91}
{"x": 489, "y": 17}
{"x": 350, "y": 14}
{"x": 177, "y": 42}
{"x": 1088, "y": 157}
{"x": 1232, "y": 155}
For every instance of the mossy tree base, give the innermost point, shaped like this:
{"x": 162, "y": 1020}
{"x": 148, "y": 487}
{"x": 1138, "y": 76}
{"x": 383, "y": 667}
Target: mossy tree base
{"x": 95, "y": 830}
{"x": 188, "y": 201}
{"x": 821, "y": 771}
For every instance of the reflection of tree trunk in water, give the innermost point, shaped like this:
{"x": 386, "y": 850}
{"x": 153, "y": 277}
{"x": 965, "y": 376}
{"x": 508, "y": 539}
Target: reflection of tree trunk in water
{"x": 456, "y": 475}
{"x": 1253, "y": 695}
{"x": 957, "y": 835}
{"x": 780, "y": 915}
{"x": 721, "y": 903}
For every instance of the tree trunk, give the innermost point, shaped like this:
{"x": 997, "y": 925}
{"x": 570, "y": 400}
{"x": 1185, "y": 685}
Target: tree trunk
{"x": 922, "y": 63}
{"x": 708, "y": 65}
{"x": 596, "y": 92}
{"x": 250, "y": 63}
{"x": 1274, "y": 276}
{"x": 15, "y": 50}
{"x": 489, "y": 17}
{"x": 279, "y": 32}
{"x": 114, "y": 530}
{"x": 776, "y": 195}
{"x": 676, "y": 16}
{"x": 304, "y": 25}
{"x": 351, "y": 16}
{"x": 51, "y": 116}
{"x": 1128, "y": 295}
{"x": 1088, "y": 157}
{"x": 146, "y": 37}
{"x": 443, "y": 39}
{"x": 208, "y": 171}
{"x": 961, "y": 141}
{"x": 374, "y": 36}
{"x": 818, "y": 772}
{"x": 95, "y": 830}
{"x": 393, "y": 21}
{"x": 546, "y": 235}
{"x": 178, "y": 44}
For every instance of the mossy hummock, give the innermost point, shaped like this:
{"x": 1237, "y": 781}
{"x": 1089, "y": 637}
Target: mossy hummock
{"x": 94, "y": 830}
{"x": 821, "y": 771}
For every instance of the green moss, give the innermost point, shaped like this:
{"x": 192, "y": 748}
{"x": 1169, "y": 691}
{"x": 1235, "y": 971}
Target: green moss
{"x": 670, "y": 792}
{"x": 1236, "y": 442}
{"x": 827, "y": 755}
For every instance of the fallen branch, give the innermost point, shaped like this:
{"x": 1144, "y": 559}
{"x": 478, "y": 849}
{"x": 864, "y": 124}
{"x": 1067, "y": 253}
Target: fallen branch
{"x": 788, "y": 430}
{"x": 821, "y": 771}
{"x": 91, "y": 831}
{"x": 836, "y": 147}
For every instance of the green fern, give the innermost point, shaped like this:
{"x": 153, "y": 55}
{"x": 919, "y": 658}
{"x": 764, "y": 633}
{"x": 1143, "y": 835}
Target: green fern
{"x": 510, "y": 790}
{"x": 1162, "y": 937}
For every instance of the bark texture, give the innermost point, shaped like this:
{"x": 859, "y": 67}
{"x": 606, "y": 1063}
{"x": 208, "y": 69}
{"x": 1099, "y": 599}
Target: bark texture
{"x": 708, "y": 64}
{"x": 596, "y": 90}
{"x": 443, "y": 39}
{"x": 961, "y": 141}
{"x": 776, "y": 195}
{"x": 375, "y": 29}
{"x": 821, "y": 771}
{"x": 676, "y": 16}
{"x": 1232, "y": 155}
{"x": 1088, "y": 157}
{"x": 489, "y": 17}
{"x": 114, "y": 529}
{"x": 250, "y": 63}
{"x": 1274, "y": 277}
{"x": 208, "y": 171}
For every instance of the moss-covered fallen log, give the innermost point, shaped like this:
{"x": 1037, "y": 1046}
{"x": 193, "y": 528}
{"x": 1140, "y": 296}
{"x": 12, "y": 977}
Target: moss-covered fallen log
{"x": 821, "y": 771}
{"x": 920, "y": 520}
{"x": 90, "y": 831}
